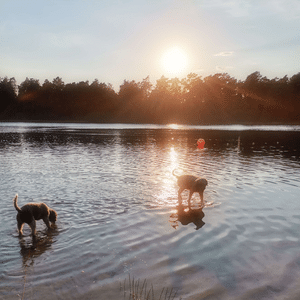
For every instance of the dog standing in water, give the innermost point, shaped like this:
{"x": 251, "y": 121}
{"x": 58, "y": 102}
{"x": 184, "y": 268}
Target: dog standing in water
{"x": 193, "y": 184}
{"x": 31, "y": 212}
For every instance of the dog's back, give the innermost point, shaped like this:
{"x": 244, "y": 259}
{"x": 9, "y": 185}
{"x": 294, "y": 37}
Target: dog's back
{"x": 186, "y": 181}
{"x": 37, "y": 210}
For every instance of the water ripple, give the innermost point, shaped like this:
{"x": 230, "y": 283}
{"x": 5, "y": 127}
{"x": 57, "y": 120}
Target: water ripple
{"x": 117, "y": 209}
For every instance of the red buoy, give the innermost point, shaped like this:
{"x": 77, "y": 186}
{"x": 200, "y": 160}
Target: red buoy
{"x": 200, "y": 143}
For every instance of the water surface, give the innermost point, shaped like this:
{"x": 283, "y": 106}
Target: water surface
{"x": 116, "y": 200}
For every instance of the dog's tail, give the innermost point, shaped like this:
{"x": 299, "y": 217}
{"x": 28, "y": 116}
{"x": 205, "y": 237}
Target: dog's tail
{"x": 16, "y": 203}
{"x": 173, "y": 173}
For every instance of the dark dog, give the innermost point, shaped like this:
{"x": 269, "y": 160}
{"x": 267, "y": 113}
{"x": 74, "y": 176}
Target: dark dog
{"x": 31, "y": 212}
{"x": 193, "y": 184}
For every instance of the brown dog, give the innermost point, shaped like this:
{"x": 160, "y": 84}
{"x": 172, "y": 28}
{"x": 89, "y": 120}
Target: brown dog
{"x": 193, "y": 184}
{"x": 31, "y": 212}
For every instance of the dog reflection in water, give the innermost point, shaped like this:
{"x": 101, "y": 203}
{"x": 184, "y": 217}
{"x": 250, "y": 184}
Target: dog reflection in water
{"x": 186, "y": 217}
{"x": 31, "y": 250}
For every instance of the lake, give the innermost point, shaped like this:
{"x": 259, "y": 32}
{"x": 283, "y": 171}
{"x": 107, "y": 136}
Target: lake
{"x": 116, "y": 198}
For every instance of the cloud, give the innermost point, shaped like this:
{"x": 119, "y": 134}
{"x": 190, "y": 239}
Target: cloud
{"x": 227, "y": 53}
{"x": 223, "y": 69}
{"x": 235, "y": 8}
{"x": 289, "y": 9}
{"x": 66, "y": 40}
{"x": 220, "y": 69}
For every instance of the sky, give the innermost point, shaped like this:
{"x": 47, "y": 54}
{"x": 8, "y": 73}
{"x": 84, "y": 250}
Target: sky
{"x": 116, "y": 40}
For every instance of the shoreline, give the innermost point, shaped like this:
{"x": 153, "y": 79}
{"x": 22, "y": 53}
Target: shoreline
{"x": 148, "y": 123}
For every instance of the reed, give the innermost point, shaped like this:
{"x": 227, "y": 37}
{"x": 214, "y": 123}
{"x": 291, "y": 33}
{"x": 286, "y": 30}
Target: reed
{"x": 137, "y": 290}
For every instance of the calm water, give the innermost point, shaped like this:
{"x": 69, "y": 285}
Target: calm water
{"x": 116, "y": 199}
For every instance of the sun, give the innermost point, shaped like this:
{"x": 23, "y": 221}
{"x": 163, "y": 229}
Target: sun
{"x": 174, "y": 61}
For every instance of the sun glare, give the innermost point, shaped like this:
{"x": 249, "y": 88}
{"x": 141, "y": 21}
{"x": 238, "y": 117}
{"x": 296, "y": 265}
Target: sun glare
{"x": 174, "y": 61}
{"x": 174, "y": 126}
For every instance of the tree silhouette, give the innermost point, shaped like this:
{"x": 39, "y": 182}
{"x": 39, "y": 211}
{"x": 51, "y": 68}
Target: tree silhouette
{"x": 214, "y": 99}
{"x": 8, "y": 93}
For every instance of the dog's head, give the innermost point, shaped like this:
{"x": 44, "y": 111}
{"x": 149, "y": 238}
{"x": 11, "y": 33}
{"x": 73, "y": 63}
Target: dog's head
{"x": 52, "y": 216}
{"x": 201, "y": 184}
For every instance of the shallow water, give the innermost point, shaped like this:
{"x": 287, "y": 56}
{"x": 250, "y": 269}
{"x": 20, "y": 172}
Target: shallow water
{"x": 116, "y": 200}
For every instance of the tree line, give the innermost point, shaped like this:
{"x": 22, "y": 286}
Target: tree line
{"x": 215, "y": 99}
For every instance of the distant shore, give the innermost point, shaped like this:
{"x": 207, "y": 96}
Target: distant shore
{"x": 217, "y": 99}
{"x": 140, "y": 123}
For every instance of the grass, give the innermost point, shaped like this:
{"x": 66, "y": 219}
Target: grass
{"x": 137, "y": 290}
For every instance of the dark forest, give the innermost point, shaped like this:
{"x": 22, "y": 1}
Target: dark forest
{"x": 215, "y": 99}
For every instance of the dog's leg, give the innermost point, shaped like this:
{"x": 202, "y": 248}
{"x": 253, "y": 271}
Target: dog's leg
{"x": 201, "y": 197}
{"x": 179, "y": 196}
{"x": 33, "y": 226}
{"x": 20, "y": 228}
{"x": 46, "y": 221}
{"x": 190, "y": 197}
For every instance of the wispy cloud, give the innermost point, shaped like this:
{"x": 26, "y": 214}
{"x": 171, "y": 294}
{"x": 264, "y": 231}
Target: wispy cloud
{"x": 227, "y": 53}
{"x": 223, "y": 69}
{"x": 289, "y": 9}
{"x": 66, "y": 40}
{"x": 235, "y": 8}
